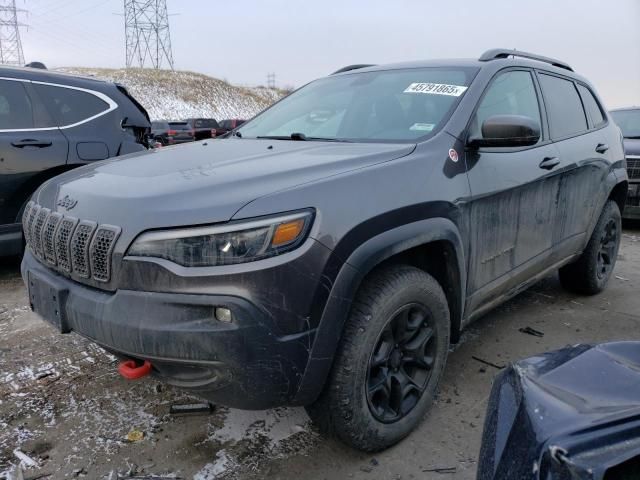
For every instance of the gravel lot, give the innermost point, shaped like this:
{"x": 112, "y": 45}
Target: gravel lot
{"x": 64, "y": 406}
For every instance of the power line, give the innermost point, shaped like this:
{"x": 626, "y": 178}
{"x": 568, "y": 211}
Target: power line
{"x": 10, "y": 45}
{"x": 147, "y": 38}
{"x": 81, "y": 34}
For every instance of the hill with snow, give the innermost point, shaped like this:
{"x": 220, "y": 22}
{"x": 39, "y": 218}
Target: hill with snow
{"x": 176, "y": 95}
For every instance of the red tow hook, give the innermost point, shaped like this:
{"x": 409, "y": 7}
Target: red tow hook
{"x": 130, "y": 370}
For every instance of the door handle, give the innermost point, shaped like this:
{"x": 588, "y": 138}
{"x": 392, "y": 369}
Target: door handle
{"x": 29, "y": 142}
{"x": 549, "y": 162}
{"x": 602, "y": 147}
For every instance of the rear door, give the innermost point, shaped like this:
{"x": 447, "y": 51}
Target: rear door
{"x": 583, "y": 148}
{"x": 30, "y": 143}
{"x": 82, "y": 116}
{"x": 513, "y": 198}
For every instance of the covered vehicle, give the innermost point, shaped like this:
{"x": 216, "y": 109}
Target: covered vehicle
{"x": 571, "y": 414}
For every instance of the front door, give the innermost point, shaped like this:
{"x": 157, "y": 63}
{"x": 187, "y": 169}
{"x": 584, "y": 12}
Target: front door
{"x": 513, "y": 191}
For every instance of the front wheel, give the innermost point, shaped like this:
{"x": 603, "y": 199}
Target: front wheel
{"x": 389, "y": 362}
{"x": 591, "y": 272}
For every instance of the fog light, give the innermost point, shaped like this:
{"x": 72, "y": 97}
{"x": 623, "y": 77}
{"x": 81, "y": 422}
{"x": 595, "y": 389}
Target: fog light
{"x": 223, "y": 314}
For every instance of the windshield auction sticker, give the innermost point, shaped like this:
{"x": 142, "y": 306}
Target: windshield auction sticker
{"x": 436, "y": 89}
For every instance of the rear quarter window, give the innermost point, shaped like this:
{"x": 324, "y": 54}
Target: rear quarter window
{"x": 564, "y": 107}
{"x": 69, "y": 106}
{"x": 591, "y": 105}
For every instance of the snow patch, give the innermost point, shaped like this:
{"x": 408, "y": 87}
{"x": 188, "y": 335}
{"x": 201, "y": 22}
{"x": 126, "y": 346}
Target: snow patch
{"x": 174, "y": 95}
{"x": 276, "y": 425}
{"x": 211, "y": 471}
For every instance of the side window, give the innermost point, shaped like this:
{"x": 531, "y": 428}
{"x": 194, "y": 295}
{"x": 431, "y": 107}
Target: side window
{"x": 564, "y": 108}
{"x": 16, "y": 111}
{"x": 511, "y": 93}
{"x": 592, "y": 106}
{"x": 70, "y": 106}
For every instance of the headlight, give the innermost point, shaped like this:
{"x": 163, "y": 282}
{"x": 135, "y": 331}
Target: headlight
{"x": 226, "y": 244}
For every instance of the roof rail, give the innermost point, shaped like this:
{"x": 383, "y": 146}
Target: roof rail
{"x": 505, "y": 53}
{"x": 353, "y": 67}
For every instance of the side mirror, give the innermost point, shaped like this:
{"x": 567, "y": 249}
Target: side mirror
{"x": 507, "y": 131}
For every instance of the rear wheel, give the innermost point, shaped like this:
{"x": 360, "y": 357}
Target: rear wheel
{"x": 591, "y": 272}
{"x": 389, "y": 362}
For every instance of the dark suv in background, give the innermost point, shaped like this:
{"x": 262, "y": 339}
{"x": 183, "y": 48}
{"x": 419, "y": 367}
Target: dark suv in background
{"x": 171, "y": 133}
{"x": 628, "y": 119}
{"x": 228, "y": 125}
{"x": 203, "y": 128}
{"x": 328, "y": 251}
{"x": 51, "y": 123}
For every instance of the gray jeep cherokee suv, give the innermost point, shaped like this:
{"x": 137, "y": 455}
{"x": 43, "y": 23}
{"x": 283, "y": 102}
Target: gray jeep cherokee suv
{"x": 328, "y": 251}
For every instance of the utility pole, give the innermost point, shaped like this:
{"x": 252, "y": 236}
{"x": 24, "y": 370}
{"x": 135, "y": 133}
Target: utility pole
{"x": 146, "y": 27}
{"x": 10, "y": 45}
{"x": 271, "y": 80}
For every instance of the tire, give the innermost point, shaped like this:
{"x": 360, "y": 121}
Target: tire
{"x": 352, "y": 404}
{"x": 591, "y": 272}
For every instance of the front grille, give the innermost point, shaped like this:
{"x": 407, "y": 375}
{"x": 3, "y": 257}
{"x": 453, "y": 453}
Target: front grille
{"x": 48, "y": 237}
{"x": 63, "y": 238}
{"x": 25, "y": 220}
{"x": 100, "y": 251}
{"x": 633, "y": 167}
{"x": 36, "y": 233}
{"x": 80, "y": 248}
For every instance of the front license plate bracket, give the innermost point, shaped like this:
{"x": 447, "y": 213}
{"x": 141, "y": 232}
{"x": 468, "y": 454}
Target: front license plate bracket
{"x": 48, "y": 301}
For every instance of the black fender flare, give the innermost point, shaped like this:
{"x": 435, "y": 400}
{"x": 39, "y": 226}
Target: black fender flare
{"x": 361, "y": 261}
{"x": 616, "y": 176}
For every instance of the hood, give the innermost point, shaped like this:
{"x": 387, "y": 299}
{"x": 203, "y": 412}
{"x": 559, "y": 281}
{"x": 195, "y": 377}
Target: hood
{"x": 632, "y": 146}
{"x": 202, "y": 182}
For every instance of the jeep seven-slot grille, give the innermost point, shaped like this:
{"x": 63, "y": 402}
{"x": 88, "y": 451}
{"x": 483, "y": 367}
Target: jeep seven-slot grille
{"x": 633, "y": 167}
{"x": 80, "y": 248}
{"x": 48, "y": 240}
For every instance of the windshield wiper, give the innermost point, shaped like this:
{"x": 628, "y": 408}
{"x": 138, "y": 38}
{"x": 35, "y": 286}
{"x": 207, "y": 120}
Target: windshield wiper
{"x": 300, "y": 137}
{"x": 633, "y": 137}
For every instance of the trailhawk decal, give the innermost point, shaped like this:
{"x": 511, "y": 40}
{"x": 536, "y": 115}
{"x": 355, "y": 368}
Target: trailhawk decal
{"x": 436, "y": 89}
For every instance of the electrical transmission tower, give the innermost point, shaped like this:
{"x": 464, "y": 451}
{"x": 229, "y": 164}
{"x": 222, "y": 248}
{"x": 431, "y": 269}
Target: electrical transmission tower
{"x": 146, "y": 26}
{"x": 10, "y": 44}
{"x": 271, "y": 80}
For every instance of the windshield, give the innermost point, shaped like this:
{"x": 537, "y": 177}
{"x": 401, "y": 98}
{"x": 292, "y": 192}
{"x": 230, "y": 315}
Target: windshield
{"x": 393, "y": 105}
{"x": 628, "y": 121}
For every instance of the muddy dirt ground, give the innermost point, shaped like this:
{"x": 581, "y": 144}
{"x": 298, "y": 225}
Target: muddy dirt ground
{"x": 63, "y": 405}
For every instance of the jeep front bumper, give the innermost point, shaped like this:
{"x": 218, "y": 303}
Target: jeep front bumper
{"x": 250, "y": 363}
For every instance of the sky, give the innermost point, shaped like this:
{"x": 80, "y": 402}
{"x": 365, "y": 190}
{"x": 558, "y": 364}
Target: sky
{"x": 242, "y": 41}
